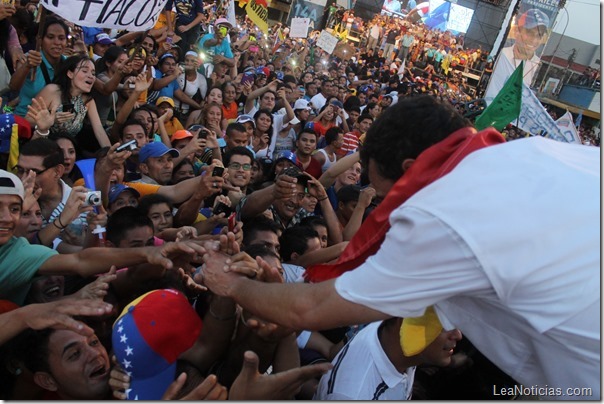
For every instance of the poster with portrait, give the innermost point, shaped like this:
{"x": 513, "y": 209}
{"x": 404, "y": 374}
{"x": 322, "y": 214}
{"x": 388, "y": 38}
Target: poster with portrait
{"x": 526, "y": 39}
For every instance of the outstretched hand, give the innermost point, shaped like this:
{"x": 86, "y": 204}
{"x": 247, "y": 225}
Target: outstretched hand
{"x": 59, "y": 314}
{"x": 209, "y": 389}
{"x": 252, "y": 385}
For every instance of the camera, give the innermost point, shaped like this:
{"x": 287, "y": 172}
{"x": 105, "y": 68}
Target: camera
{"x": 130, "y": 146}
{"x": 93, "y": 198}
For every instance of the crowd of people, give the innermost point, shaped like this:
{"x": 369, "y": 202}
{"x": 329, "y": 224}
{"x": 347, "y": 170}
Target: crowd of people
{"x": 167, "y": 197}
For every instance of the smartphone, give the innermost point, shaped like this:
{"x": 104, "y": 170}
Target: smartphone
{"x": 131, "y": 145}
{"x": 222, "y": 208}
{"x": 203, "y": 133}
{"x": 68, "y": 108}
{"x": 302, "y": 91}
{"x": 247, "y": 78}
{"x": 253, "y": 48}
{"x": 217, "y": 171}
{"x": 232, "y": 221}
{"x": 169, "y": 39}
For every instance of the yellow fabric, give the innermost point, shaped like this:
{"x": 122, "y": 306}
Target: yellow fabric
{"x": 419, "y": 332}
{"x": 13, "y": 151}
{"x": 143, "y": 189}
{"x": 172, "y": 126}
{"x": 258, "y": 13}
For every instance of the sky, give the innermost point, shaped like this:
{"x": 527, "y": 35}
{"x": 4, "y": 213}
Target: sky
{"x": 583, "y": 20}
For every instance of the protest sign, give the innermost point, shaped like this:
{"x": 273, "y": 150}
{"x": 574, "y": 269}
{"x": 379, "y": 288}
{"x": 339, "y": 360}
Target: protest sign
{"x": 299, "y": 27}
{"x": 132, "y": 15}
{"x": 327, "y": 42}
{"x": 257, "y": 10}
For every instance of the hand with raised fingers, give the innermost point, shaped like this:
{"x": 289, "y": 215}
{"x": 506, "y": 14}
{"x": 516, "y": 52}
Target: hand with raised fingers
{"x": 209, "y": 389}
{"x": 97, "y": 289}
{"x": 252, "y": 385}
{"x": 39, "y": 113}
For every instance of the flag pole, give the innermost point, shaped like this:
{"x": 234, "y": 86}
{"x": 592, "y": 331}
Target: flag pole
{"x": 42, "y": 14}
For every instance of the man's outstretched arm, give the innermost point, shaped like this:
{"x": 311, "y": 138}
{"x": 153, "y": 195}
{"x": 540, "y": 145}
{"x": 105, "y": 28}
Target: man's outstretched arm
{"x": 297, "y": 305}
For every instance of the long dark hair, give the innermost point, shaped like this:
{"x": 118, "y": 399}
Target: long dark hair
{"x": 110, "y": 56}
{"x": 62, "y": 80}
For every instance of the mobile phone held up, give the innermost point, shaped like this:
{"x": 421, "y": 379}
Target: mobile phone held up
{"x": 217, "y": 171}
{"x": 222, "y": 208}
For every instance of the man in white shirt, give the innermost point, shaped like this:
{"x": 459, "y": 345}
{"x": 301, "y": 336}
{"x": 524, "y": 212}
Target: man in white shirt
{"x": 493, "y": 241}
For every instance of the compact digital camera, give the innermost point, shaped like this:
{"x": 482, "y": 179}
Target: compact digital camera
{"x": 93, "y": 198}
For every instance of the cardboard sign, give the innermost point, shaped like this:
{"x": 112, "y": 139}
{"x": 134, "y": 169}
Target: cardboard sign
{"x": 132, "y": 15}
{"x": 327, "y": 42}
{"x": 299, "y": 27}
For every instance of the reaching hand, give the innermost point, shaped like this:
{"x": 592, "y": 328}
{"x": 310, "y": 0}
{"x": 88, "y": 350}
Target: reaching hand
{"x": 39, "y": 113}
{"x": 209, "y": 389}
{"x": 59, "y": 314}
{"x": 98, "y": 288}
{"x": 31, "y": 196}
{"x": 162, "y": 255}
{"x": 251, "y": 385}
{"x": 142, "y": 83}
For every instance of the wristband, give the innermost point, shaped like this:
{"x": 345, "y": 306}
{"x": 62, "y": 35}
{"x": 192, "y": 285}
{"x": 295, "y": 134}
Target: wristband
{"x": 60, "y": 222}
{"x": 40, "y": 133}
{"x": 57, "y": 226}
{"x": 321, "y": 200}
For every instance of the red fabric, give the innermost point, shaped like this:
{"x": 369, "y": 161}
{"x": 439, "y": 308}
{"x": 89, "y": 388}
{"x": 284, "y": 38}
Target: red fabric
{"x": 430, "y": 165}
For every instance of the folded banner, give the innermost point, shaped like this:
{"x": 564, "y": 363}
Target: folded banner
{"x": 257, "y": 11}
{"x": 132, "y": 15}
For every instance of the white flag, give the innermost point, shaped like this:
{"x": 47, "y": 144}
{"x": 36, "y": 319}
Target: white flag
{"x": 132, "y": 15}
{"x": 567, "y": 126}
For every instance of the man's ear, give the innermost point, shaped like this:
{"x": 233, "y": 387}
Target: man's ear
{"x": 294, "y": 257}
{"x": 60, "y": 170}
{"x": 143, "y": 168}
{"x": 407, "y": 163}
{"x": 46, "y": 381}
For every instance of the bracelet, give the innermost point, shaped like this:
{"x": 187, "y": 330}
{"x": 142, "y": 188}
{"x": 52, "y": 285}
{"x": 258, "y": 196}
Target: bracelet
{"x": 219, "y": 318}
{"x": 321, "y": 200}
{"x": 60, "y": 222}
{"x": 40, "y": 133}
{"x": 57, "y": 226}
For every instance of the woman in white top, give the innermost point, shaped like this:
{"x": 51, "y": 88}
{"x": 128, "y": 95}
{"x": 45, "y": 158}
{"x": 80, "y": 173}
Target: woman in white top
{"x": 191, "y": 81}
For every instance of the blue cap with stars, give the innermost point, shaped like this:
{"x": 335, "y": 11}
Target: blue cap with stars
{"x": 149, "y": 335}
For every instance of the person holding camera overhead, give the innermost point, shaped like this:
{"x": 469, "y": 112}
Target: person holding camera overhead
{"x": 61, "y": 205}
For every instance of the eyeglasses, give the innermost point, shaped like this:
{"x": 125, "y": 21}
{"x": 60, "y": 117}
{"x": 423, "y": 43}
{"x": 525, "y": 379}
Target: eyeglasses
{"x": 237, "y": 166}
{"x": 20, "y": 171}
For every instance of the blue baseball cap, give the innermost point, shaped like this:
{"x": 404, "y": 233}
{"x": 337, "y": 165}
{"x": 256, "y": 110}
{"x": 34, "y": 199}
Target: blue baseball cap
{"x": 149, "y": 335}
{"x": 155, "y": 149}
{"x": 287, "y": 155}
{"x": 117, "y": 189}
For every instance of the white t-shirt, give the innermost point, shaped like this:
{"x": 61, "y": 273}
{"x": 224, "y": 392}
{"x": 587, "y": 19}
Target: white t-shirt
{"x": 362, "y": 371}
{"x": 507, "y": 249}
{"x": 200, "y": 83}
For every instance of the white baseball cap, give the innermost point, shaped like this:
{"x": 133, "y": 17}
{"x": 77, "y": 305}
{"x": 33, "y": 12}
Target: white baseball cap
{"x": 10, "y": 184}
